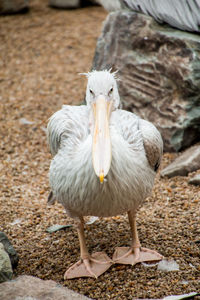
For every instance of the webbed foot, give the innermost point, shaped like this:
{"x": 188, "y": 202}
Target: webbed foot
{"x": 93, "y": 266}
{"x": 132, "y": 256}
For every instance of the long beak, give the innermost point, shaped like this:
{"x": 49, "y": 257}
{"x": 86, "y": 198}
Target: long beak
{"x": 101, "y": 138}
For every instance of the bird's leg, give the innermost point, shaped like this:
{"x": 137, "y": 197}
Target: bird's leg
{"x": 89, "y": 265}
{"x": 135, "y": 253}
{"x": 81, "y": 235}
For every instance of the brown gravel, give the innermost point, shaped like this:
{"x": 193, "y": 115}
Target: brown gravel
{"x": 41, "y": 54}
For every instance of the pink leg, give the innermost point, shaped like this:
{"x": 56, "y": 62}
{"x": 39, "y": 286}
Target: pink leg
{"x": 90, "y": 265}
{"x": 135, "y": 253}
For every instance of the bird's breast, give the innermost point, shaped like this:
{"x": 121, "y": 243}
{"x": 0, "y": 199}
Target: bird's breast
{"x": 76, "y": 186}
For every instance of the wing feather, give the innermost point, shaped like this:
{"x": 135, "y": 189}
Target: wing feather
{"x": 68, "y": 125}
{"x": 137, "y": 131}
{"x": 153, "y": 143}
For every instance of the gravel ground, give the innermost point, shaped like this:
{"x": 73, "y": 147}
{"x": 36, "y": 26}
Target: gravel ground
{"x": 41, "y": 54}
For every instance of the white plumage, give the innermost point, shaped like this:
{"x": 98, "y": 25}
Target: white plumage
{"x": 136, "y": 150}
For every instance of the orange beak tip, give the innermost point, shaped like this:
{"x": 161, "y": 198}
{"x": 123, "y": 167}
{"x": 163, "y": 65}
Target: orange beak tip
{"x": 101, "y": 177}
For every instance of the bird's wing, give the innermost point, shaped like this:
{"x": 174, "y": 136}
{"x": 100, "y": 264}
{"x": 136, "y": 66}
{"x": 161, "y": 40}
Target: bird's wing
{"x": 153, "y": 143}
{"x": 70, "y": 124}
{"x": 135, "y": 129}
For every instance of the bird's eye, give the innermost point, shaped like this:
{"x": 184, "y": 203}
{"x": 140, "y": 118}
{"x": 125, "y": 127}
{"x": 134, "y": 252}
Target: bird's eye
{"x": 91, "y": 92}
{"x": 110, "y": 92}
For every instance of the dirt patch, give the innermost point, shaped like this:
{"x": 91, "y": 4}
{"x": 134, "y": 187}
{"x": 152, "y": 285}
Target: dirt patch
{"x": 41, "y": 54}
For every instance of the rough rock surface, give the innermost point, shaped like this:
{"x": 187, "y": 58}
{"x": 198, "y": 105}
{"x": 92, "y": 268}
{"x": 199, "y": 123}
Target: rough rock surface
{"x": 5, "y": 266}
{"x": 14, "y": 258}
{"x": 188, "y": 162}
{"x": 13, "y": 6}
{"x": 159, "y": 70}
{"x": 29, "y": 287}
{"x": 195, "y": 180}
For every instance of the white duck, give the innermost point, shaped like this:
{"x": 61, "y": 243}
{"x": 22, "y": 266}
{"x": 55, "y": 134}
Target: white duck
{"x": 105, "y": 161}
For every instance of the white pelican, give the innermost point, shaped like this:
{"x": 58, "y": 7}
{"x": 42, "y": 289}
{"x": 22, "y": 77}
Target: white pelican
{"x": 105, "y": 161}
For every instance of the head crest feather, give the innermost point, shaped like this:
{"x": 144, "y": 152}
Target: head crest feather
{"x": 88, "y": 74}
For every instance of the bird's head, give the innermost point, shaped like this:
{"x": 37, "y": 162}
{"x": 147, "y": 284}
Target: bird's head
{"x": 102, "y": 83}
{"x": 102, "y": 98}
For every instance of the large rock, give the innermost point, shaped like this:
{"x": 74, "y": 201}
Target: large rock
{"x": 14, "y": 258}
{"x": 159, "y": 71}
{"x": 184, "y": 15}
{"x": 13, "y": 6}
{"x": 5, "y": 266}
{"x": 195, "y": 180}
{"x": 111, "y": 5}
{"x": 65, "y": 3}
{"x": 187, "y": 162}
{"x": 68, "y": 4}
{"x": 29, "y": 287}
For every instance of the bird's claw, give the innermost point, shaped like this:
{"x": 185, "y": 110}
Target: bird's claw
{"x": 86, "y": 262}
